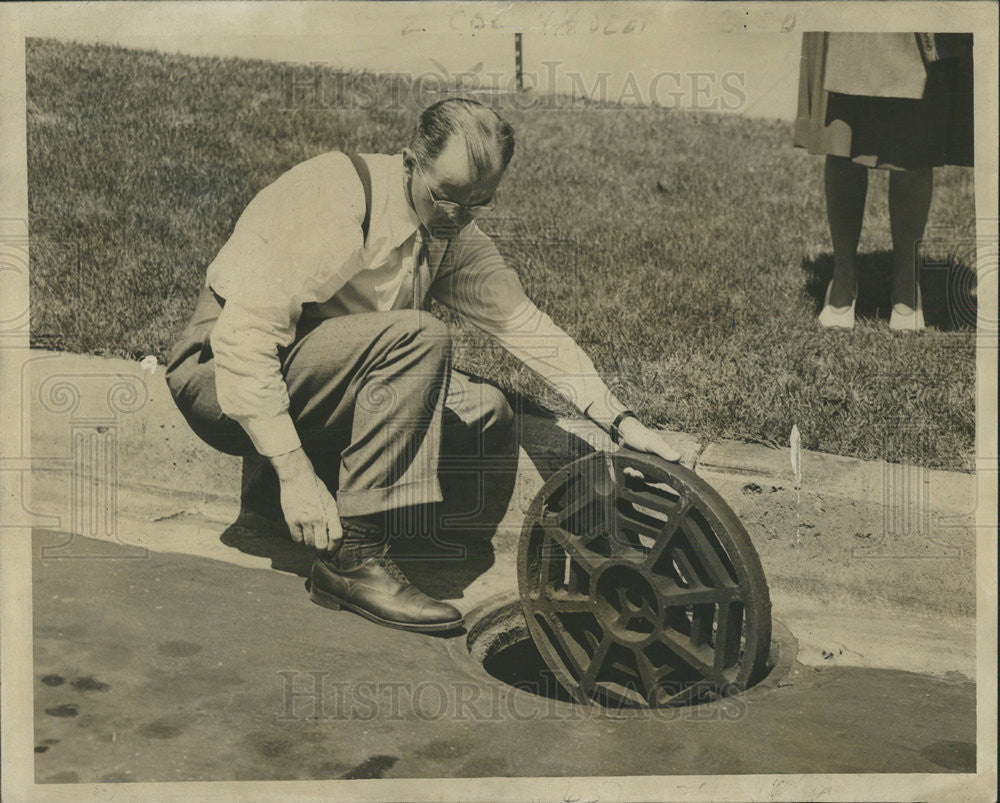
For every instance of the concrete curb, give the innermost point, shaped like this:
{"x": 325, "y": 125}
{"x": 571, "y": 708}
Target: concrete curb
{"x": 68, "y": 394}
{"x": 83, "y": 403}
{"x": 949, "y": 493}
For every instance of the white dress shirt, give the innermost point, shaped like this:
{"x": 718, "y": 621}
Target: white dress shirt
{"x": 298, "y": 251}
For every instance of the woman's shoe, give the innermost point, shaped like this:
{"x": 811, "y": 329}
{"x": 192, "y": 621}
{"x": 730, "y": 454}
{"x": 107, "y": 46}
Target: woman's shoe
{"x": 837, "y": 317}
{"x": 904, "y": 319}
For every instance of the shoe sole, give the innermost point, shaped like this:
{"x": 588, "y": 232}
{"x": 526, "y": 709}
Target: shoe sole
{"x": 328, "y": 600}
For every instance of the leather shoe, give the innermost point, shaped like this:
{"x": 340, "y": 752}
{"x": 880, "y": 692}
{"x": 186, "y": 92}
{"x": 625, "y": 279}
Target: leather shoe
{"x": 376, "y": 589}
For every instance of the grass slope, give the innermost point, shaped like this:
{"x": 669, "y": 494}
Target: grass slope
{"x": 697, "y": 304}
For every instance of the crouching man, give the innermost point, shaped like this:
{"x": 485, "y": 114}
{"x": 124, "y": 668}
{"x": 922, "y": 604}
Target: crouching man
{"x": 309, "y": 346}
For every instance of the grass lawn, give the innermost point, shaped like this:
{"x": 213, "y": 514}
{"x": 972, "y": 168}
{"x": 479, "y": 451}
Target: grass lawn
{"x": 697, "y": 304}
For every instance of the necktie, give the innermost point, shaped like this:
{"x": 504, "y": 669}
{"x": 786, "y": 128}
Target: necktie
{"x": 419, "y": 269}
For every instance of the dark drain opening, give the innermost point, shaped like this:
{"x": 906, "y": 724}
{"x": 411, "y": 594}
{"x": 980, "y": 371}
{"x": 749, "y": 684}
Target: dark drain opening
{"x": 501, "y": 644}
{"x": 499, "y": 641}
{"x": 521, "y": 665}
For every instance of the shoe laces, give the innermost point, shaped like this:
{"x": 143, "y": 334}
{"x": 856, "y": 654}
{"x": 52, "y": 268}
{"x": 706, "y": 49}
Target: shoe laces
{"x": 391, "y": 568}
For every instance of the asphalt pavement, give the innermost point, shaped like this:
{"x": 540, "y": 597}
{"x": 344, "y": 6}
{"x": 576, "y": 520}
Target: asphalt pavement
{"x": 172, "y": 667}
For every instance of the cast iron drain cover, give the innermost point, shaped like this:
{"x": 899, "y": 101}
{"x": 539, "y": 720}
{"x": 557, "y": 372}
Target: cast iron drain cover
{"x": 640, "y": 586}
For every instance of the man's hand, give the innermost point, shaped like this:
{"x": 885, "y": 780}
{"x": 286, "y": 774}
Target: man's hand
{"x": 310, "y": 509}
{"x": 636, "y": 435}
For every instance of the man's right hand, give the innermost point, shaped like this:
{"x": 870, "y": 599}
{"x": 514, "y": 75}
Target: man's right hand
{"x": 310, "y": 510}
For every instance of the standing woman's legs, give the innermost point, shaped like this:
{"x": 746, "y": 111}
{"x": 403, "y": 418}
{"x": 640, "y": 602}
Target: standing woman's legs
{"x": 909, "y": 204}
{"x": 846, "y": 188}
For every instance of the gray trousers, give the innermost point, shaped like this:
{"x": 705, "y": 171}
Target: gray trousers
{"x": 373, "y": 397}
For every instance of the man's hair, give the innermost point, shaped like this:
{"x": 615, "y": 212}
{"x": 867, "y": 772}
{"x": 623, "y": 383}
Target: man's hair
{"x": 487, "y": 136}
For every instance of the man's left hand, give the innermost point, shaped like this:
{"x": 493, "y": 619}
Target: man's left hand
{"x": 636, "y": 435}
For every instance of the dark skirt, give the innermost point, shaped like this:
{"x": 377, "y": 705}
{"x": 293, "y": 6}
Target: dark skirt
{"x": 893, "y": 133}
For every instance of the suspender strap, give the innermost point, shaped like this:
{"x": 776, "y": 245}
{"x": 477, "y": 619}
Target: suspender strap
{"x": 366, "y": 182}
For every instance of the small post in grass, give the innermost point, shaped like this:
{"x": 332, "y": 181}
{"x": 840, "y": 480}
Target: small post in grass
{"x": 518, "y": 62}
{"x": 795, "y": 455}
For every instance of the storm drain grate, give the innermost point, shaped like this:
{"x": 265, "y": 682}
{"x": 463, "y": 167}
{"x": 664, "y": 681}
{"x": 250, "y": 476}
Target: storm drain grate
{"x": 638, "y": 588}
{"x": 639, "y": 585}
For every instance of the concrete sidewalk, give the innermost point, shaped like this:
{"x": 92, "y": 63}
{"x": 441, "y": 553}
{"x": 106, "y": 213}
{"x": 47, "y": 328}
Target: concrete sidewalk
{"x": 869, "y": 565}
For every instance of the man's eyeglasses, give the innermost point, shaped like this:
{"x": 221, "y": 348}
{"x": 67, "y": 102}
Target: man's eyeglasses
{"x": 451, "y": 207}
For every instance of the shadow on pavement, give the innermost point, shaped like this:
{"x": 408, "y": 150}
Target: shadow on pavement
{"x": 478, "y": 486}
{"x": 442, "y": 548}
{"x": 549, "y": 446}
